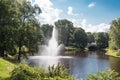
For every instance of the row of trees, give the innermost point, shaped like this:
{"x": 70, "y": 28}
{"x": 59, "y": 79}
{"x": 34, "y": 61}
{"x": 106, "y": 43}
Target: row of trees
{"x": 75, "y": 36}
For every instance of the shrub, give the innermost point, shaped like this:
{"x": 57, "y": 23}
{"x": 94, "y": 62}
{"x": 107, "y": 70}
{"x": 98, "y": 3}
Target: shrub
{"x": 58, "y": 71}
{"x": 58, "y": 78}
{"x": 118, "y": 52}
{"x": 25, "y": 72}
{"x": 103, "y": 75}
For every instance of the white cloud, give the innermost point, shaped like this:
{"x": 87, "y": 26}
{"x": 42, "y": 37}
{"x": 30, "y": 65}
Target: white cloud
{"x": 49, "y": 14}
{"x": 76, "y": 22}
{"x": 70, "y": 11}
{"x": 91, "y": 5}
{"x": 84, "y": 23}
{"x": 102, "y": 27}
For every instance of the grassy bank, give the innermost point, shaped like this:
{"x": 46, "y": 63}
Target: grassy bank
{"x": 70, "y": 48}
{"x": 114, "y": 53}
{"x": 5, "y": 68}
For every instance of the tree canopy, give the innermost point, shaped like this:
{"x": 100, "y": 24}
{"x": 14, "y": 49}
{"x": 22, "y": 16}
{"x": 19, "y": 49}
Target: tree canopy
{"x": 114, "y": 34}
{"x": 65, "y": 29}
{"x": 18, "y": 27}
{"x": 101, "y": 39}
{"x": 80, "y": 38}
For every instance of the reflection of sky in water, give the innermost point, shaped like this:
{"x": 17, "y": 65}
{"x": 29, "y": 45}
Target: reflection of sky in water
{"x": 82, "y": 66}
{"x": 79, "y": 66}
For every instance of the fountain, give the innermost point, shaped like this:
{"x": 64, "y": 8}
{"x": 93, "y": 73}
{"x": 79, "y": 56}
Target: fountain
{"x": 52, "y": 49}
{"x": 49, "y": 54}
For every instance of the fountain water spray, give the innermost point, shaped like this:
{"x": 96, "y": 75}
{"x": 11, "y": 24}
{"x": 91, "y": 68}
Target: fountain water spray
{"x": 52, "y": 49}
{"x": 48, "y": 53}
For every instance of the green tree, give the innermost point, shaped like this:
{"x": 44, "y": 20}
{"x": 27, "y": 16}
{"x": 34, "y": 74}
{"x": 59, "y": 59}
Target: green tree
{"x": 65, "y": 29}
{"x": 32, "y": 36}
{"x": 80, "y": 38}
{"x": 27, "y": 27}
{"x": 8, "y": 24}
{"x": 101, "y": 39}
{"x": 90, "y": 37}
{"x": 19, "y": 30}
{"x": 114, "y": 34}
{"x": 47, "y": 31}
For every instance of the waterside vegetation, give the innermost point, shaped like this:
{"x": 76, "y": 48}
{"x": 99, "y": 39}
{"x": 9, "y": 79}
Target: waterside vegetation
{"x": 26, "y": 72}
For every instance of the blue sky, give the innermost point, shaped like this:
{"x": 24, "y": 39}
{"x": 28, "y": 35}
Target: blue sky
{"x": 91, "y": 15}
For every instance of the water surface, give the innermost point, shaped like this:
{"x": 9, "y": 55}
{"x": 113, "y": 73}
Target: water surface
{"x": 79, "y": 66}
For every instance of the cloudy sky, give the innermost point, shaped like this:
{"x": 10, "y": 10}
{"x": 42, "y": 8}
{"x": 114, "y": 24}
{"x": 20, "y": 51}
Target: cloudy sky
{"x": 91, "y": 15}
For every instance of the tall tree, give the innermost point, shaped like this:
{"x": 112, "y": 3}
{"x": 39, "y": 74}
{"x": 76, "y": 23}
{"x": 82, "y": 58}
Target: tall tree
{"x": 27, "y": 24}
{"x": 114, "y": 34}
{"x": 47, "y": 31}
{"x": 80, "y": 38}
{"x": 65, "y": 29}
{"x": 90, "y": 37}
{"x": 101, "y": 39}
{"x": 8, "y": 23}
{"x": 19, "y": 29}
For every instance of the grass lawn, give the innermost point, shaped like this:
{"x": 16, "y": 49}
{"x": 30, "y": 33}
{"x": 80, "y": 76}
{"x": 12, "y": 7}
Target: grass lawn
{"x": 5, "y": 68}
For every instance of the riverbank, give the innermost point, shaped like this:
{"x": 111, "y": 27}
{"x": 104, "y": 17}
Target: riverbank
{"x": 114, "y": 53}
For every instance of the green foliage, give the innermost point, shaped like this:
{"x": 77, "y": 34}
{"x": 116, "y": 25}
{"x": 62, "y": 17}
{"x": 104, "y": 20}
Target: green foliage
{"x": 114, "y": 34}
{"x": 80, "y": 38}
{"x": 28, "y": 28}
{"x": 101, "y": 39}
{"x": 58, "y": 78}
{"x": 47, "y": 31}
{"x": 90, "y": 37}
{"x": 8, "y": 12}
{"x": 118, "y": 52}
{"x": 19, "y": 27}
{"x": 58, "y": 71}
{"x": 65, "y": 30}
{"x": 24, "y": 72}
{"x": 111, "y": 52}
{"x": 103, "y": 75}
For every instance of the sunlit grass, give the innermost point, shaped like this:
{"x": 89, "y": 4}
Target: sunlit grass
{"x": 70, "y": 48}
{"x": 5, "y": 68}
{"x": 114, "y": 53}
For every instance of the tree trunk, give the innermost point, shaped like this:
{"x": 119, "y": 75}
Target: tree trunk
{"x": 2, "y": 52}
{"x": 19, "y": 54}
{"x": 20, "y": 48}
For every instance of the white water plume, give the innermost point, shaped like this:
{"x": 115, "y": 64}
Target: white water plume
{"x": 52, "y": 49}
{"x": 49, "y": 54}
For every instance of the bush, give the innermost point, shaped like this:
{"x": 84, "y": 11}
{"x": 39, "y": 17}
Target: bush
{"x": 103, "y": 75}
{"x": 118, "y": 52}
{"x": 58, "y": 78}
{"x": 24, "y": 72}
{"x": 58, "y": 71}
